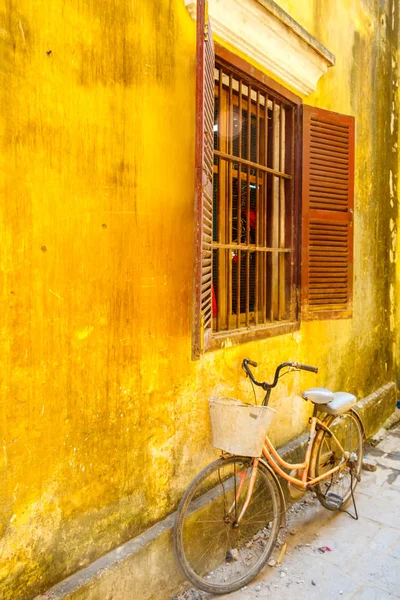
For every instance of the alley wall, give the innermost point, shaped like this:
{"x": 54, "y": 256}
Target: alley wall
{"x": 103, "y": 413}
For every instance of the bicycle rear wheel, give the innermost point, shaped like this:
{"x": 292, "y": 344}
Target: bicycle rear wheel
{"x": 348, "y": 431}
{"x": 216, "y": 555}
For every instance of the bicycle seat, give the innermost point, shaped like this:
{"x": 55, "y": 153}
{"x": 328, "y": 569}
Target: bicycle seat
{"x": 335, "y": 403}
{"x": 318, "y": 395}
{"x": 341, "y": 403}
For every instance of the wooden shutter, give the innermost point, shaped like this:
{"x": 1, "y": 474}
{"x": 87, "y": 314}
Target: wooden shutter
{"x": 327, "y": 214}
{"x": 204, "y": 161}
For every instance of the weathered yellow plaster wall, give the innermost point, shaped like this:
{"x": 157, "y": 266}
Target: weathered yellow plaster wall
{"x": 103, "y": 415}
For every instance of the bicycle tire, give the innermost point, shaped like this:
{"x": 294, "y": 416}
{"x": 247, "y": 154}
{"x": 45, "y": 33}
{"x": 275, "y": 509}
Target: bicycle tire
{"x": 348, "y": 430}
{"x": 214, "y": 555}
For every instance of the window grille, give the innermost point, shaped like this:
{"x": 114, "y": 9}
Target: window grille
{"x": 252, "y": 242}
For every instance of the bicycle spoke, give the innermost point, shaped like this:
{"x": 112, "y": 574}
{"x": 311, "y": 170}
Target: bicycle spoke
{"x": 210, "y": 521}
{"x": 253, "y": 523}
{"x": 258, "y": 512}
{"x": 208, "y": 548}
{"x": 254, "y": 497}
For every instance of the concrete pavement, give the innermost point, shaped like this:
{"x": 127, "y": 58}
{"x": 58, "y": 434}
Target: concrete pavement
{"x": 330, "y": 555}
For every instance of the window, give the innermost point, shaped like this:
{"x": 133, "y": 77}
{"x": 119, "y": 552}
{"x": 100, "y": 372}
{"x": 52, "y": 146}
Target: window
{"x": 253, "y": 177}
{"x": 274, "y": 204}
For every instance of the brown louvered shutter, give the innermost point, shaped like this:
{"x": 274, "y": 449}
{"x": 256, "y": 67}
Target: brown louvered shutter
{"x": 204, "y": 162}
{"x": 327, "y": 214}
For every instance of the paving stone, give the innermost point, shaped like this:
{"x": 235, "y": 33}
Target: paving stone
{"x": 389, "y": 463}
{"x": 380, "y": 510}
{"x": 390, "y": 444}
{"x": 395, "y": 455}
{"x": 384, "y": 540}
{"x": 329, "y": 579}
{"x": 372, "y": 593}
{"x": 375, "y": 452}
{"x": 347, "y": 539}
{"x": 389, "y": 492}
{"x": 395, "y": 481}
{"x": 380, "y": 568}
{"x": 396, "y": 554}
{"x": 372, "y": 482}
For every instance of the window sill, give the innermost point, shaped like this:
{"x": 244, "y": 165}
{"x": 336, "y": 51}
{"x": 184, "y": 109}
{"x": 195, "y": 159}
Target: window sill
{"x": 241, "y": 336}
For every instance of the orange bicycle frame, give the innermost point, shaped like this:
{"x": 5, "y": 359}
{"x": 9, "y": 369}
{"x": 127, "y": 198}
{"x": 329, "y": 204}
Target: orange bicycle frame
{"x": 274, "y": 460}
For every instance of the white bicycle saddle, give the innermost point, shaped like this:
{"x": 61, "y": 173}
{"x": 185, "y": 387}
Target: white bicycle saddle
{"x": 336, "y": 403}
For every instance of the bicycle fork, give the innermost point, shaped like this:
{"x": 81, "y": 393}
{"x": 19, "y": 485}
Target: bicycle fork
{"x": 242, "y": 477}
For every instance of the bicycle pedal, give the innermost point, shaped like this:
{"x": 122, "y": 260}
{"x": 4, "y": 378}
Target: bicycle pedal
{"x": 333, "y": 500}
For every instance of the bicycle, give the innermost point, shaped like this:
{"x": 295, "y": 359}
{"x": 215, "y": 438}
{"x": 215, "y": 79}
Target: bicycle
{"x": 230, "y": 516}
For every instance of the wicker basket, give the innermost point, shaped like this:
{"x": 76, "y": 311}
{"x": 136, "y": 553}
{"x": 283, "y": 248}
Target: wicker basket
{"x": 239, "y": 428}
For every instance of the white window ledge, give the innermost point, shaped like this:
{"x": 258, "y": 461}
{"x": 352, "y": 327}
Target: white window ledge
{"x": 267, "y": 34}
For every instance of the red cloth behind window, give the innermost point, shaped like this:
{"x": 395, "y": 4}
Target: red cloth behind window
{"x": 214, "y": 301}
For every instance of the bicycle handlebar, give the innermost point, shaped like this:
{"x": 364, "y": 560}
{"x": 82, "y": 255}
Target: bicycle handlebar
{"x": 268, "y": 386}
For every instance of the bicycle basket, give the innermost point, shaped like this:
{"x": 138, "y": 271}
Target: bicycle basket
{"x": 239, "y": 428}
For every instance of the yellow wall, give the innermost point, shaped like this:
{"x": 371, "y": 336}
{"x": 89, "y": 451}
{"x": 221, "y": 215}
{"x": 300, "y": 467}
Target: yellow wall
{"x": 103, "y": 415}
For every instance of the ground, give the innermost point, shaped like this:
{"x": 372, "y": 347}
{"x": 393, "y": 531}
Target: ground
{"x": 330, "y": 555}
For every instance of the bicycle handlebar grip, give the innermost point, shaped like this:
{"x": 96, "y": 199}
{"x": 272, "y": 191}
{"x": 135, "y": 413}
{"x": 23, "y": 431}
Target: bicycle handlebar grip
{"x": 308, "y": 368}
{"x": 251, "y": 362}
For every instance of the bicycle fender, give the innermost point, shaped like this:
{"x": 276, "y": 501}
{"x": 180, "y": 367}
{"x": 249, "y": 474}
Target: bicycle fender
{"x": 355, "y": 413}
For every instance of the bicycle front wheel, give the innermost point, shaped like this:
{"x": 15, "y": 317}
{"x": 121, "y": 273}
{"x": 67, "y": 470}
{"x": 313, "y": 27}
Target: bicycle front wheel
{"x": 215, "y": 553}
{"x": 348, "y": 431}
